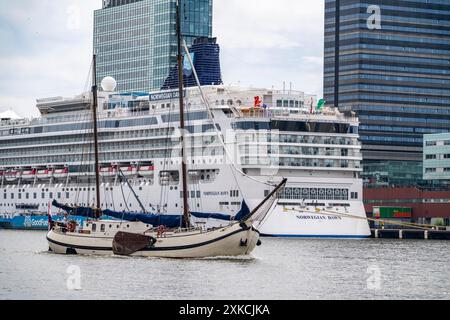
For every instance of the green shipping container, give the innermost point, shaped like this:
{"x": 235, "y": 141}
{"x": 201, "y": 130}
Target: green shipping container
{"x": 392, "y": 212}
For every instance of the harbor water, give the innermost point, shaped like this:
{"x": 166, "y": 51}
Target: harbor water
{"x": 286, "y": 269}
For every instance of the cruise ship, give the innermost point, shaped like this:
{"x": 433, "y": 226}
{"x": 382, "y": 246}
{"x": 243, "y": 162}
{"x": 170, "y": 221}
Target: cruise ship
{"x": 239, "y": 146}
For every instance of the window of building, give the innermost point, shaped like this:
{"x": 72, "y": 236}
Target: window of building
{"x": 430, "y": 157}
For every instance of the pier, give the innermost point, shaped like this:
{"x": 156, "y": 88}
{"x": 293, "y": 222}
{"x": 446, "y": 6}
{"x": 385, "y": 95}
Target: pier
{"x": 410, "y": 234}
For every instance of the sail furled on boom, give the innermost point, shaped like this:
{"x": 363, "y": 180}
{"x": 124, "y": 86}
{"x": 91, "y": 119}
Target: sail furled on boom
{"x": 76, "y": 211}
{"x": 156, "y": 220}
{"x": 245, "y": 211}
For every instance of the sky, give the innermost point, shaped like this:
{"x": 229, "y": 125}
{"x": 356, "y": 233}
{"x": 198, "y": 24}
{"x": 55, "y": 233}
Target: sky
{"x": 46, "y": 47}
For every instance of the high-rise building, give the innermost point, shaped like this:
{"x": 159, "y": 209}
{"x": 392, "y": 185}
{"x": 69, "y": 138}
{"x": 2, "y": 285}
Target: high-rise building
{"x": 135, "y": 40}
{"x": 436, "y": 158}
{"x": 389, "y": 61}
{"x": 205, "y": 55}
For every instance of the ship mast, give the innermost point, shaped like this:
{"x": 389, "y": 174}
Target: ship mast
{"x": 182, "y": 124}
{"x": 98, "y": 208}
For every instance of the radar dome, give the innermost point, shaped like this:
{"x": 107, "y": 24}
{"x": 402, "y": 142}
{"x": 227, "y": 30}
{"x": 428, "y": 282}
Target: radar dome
{"x": 109, "y": 84}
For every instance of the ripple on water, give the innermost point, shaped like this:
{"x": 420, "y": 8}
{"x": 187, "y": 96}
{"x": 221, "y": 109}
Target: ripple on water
{"x": 279, "y": 269}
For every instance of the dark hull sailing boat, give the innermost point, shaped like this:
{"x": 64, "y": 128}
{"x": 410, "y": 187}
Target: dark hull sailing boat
{"x": 158, "y": 235}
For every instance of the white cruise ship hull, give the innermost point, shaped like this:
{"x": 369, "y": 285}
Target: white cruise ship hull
{"x": 318, "y": 152}
{"x": 296, "y": 222}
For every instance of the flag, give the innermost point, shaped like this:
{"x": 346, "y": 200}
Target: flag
{"x": 257, "y": 102}
{"x": 320, "y": 104}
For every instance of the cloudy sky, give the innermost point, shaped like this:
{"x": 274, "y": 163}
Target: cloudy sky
{"x": 46, "y": 46}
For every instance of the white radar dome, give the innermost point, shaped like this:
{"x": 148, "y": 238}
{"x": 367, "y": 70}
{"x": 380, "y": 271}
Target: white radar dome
{"x": 109, "y": 84}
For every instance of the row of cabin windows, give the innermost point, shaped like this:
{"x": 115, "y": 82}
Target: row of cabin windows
{"x": 35, "y": 195}
{"x": 103, "y": 227}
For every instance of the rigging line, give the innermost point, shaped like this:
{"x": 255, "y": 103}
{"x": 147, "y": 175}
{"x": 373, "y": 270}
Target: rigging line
{"x": 84, "y": 151}
{"x": 80, "y": 149}
{"x": 164, "y": 194}
{"x": 132, "y": 190}
{"x": 208, "y": 108}
{"x": 82, "y": 118}
{"x": 89, "y": 77}
{"x": 124, "y": 199}
{"x": 194, "y": 202}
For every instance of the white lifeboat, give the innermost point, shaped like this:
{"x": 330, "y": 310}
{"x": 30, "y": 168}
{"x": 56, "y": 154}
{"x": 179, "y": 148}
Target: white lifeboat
{"x": 108, "y": 171}
{"x": 61, "y": 173}
{"x": 12, "y": 175}
{"x": 146, "y": 171}
{"x": 128, "y": 171}
{"x": 29, "y": 174}
{"x": 44, "y": 173}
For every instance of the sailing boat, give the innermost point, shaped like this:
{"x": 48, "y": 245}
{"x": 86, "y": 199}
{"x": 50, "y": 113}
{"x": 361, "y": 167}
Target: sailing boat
{"x": 149, "y": 235}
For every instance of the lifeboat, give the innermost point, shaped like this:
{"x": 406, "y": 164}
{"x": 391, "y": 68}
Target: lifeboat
{"x": 146, "y": 171}
{"x": 128, "y": 171}
{"x": 44, "y": 174}
{"x": 108, "y": 171}
{"x": 61, "y": 173}
{"x": 29, "y": 174}
{"x": 12, "y": 175}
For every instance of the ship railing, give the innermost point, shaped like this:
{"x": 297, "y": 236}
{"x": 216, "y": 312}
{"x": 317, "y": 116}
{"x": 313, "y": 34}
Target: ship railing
{"x": 258, "y": 113}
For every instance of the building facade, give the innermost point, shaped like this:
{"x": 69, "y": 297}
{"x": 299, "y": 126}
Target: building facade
{"x": 436, "y": 158}
{"x": 135, "y": 40}
{"x": 205, "y": 55}
{"x": 389, "y": 60}
{"x": 426, "y": 205}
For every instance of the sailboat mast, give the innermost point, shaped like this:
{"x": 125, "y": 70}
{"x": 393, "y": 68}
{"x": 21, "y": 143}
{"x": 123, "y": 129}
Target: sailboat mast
{"x": 94, "y": 114}
{"x": 182, "y": 124}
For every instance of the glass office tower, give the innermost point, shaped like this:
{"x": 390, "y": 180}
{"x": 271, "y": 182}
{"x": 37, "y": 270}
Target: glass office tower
{"x": 136, "y": 43}
{"x": 389, "y": 61}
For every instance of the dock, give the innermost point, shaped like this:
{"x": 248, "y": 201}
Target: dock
{"x": 410, "y": 234}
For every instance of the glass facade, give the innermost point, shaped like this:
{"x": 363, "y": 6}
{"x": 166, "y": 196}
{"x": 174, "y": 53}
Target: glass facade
{"x": 436, "y": 158}
{"x": 205, "y": 55}
{"x": 389, "y": 60}
{"x": 136, "y": 43}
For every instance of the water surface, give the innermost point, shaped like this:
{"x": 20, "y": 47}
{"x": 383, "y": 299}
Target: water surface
{"x": 279, "y": 269}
